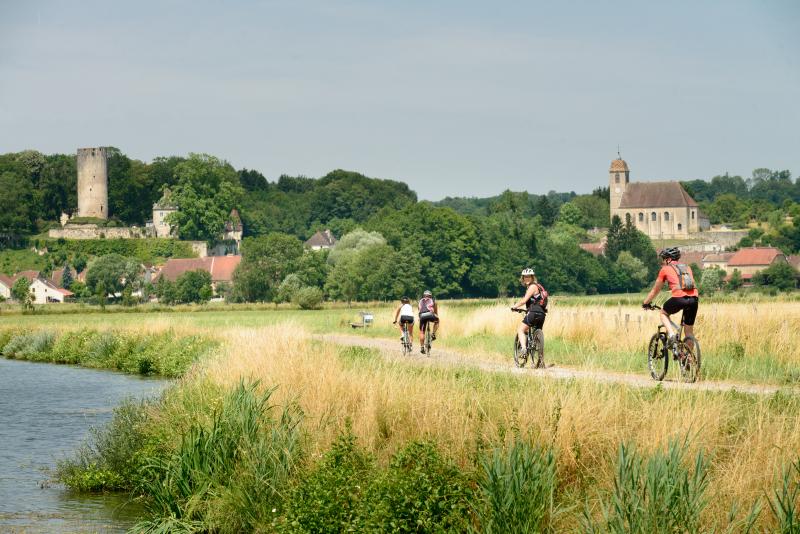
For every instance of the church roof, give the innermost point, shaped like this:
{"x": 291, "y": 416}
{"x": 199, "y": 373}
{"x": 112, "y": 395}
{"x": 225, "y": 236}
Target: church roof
{"x": 618, "y": 165}
{"x": 656, "y": 195}
{"x": 323, "y": 239}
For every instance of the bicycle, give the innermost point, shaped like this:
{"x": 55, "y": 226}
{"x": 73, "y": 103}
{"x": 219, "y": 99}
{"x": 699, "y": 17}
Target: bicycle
{"x": 685, "y": 351}
{"x": 427, "y": 342}
{"x": 405, "y": 341}
{"x": 535, "y": 347}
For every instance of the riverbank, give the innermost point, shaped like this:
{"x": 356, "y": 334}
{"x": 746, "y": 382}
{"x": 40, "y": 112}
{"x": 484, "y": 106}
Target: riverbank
{"x": 281, "y": 432}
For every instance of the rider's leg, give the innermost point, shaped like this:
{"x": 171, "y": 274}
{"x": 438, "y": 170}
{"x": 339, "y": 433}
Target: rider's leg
{"x": 522, "y": 335}
{"x": 435, "y": 327}
{"x": 667, "y": 323}
{"x": 422, "y": 327}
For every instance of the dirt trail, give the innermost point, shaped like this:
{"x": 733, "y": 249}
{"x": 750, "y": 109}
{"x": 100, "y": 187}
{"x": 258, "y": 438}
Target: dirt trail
{"x": 391, "y": 348}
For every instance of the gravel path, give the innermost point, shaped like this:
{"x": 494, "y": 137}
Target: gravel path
{"x": 391, "y": 349}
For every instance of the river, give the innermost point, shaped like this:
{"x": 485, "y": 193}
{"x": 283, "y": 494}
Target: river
{"x": 45, "y": 414}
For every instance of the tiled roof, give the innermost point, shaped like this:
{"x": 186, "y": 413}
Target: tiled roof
{"x": 754, "y": 256}
{"x": 656, "y": 195}
{"x": 794, "y": 261}
{"x": 692, "y": 257}
{"x": 321, "y": 239}
{"x": 220, "y": 267}
{"x": 30, "y": 275}
{"x": 50, "y": 285}
{"x": 58, "y": 275}
{"x": 596, "y": 249}
{"x": 6, "y": 280}
{"x": 719, "y": 257}
{"x": 618, "y": 165}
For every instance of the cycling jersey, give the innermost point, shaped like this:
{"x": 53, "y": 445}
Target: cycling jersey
{"x": 670, "y": 275}
{"x": 406, "y": 310}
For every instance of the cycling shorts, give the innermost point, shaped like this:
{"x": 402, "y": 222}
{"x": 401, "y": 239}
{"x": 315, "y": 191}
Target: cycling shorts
{"x": 687, "y": 304}
{"x": 535, "y": 317}
{"x": 427, "y": 317}
{"x": 406, "y": 319}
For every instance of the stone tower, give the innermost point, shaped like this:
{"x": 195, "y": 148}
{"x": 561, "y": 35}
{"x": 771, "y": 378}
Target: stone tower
{"x": 619, "y": 176}
{"x": 93, "y": 182}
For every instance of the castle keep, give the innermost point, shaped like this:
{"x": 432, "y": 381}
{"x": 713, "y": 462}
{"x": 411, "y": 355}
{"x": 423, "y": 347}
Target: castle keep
{"x": 93, "y": 182}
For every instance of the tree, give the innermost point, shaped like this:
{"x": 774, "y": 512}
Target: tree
{"x": 353, "y": 242}
{"x": 595, "y": 210}
{"x": 206, "y": 192}
{"x": 166, "y": 291}
{"x": 546, "y": 211}
{"x": 633, "y": 269}
{"x": 17, "y": 209}
{"x": 265, "y": 263}
{"x": 780, "y": 275}
{"x": 21, "y": 292}
{"x": 308, "y": 298}
{"x": 736, "y": 280}
{"x": 66, "y": 276}
{"x": 193, "y": 287}
{"x": 713, "y": 279}
{"x": 571, "y": 214}
{"x": 114, "y": 272}
{"x": 288, "y": 288}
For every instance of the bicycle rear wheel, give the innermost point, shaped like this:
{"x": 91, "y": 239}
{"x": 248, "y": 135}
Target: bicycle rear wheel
{"x": 406, "y": 342}
{"x": 520, "y": 356}
{"x": 428, "y": 340}
{"x": 657, "y": 357}
{"x": 537, "y": 349}
{"x": 690, "y": 366}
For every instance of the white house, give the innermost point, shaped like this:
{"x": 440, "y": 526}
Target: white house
{"x": 6, "y": 283}
{"x": 45, "y": 292}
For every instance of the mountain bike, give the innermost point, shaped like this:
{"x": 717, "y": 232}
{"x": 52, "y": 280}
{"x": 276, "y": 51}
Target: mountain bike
{"x": 685, "y": 350}
{"x": 427, "y": 342}
{"x": 405, "y": 341}
{"x": 535, "y": 347}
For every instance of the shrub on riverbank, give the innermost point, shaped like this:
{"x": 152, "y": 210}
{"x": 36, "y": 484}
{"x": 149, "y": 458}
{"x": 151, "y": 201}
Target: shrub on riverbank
{"x": 164, "y": 353}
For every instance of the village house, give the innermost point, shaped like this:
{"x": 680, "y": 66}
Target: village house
{"x": 748, "y": 261}
{"x": 661, "y": 210}
{"x": 717, "y": 259}
{"x": 45, "y": 292}
{"x": 6, "y": 283}
{"x": 221, "y": 268}
{"x": 323, "y": 239}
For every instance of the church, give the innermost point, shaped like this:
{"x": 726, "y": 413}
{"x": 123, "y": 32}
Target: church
{"x": 662, "y": 210}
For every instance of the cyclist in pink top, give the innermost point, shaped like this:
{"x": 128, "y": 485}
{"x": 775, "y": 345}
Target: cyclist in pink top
{"x": 681, "y": 283}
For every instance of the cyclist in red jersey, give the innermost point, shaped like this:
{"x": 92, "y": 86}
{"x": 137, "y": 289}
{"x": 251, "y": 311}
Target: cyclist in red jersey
{"x": 681, "y": 283}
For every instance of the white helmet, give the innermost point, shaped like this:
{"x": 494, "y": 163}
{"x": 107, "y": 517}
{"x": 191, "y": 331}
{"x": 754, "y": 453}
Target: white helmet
{"x": 528, "y": 272}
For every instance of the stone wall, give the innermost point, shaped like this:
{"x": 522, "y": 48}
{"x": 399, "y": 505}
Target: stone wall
{"x": 92, "y": 231}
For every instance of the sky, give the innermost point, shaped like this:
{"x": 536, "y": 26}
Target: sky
{"x": 455, "y": 98}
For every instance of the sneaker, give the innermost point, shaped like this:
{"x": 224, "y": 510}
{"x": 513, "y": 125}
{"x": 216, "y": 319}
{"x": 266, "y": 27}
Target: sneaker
{"x": 422, "y": 350}
{"x": 433, "y": 337}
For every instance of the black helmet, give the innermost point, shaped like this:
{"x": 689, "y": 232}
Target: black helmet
{"x": 672, "y": 253}
{"x": 405, "y": 300}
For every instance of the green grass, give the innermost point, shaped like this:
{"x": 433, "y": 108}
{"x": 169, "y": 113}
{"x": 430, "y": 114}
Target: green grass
{"x": 15, "y": 260}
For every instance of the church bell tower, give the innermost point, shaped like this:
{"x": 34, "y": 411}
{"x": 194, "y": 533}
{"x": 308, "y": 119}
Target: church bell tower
{"x": 619, "y": 176}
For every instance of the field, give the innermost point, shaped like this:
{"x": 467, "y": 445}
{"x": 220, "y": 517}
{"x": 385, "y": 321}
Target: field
{"x": 450, "y": 439}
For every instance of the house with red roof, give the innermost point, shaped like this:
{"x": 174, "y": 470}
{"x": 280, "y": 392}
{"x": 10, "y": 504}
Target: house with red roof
{"x": 220, "y": 268}
{"x": 717, "y": 259}
{"x": 749, "y": 261}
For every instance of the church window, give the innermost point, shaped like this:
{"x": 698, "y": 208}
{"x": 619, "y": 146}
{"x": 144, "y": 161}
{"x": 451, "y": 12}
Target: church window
{"x": 641, "y": 217}
{"x": 653, "y": 216}
{"x": 627, "y": 177}
{"x": 692, "y": 214}
{"x": 616, "y": 177}
{"x": 680, "y": 226}
{"x": 666, "y": 215}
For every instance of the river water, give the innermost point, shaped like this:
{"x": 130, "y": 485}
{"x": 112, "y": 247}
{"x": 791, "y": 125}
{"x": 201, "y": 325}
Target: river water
{"x": 45, "y": 414}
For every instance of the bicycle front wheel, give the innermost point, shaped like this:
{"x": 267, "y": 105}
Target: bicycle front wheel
{"x": 690, "y": 366}
{"x": 520, "y": 356}
{"x": 406, "y": 343}
{"x": 537, "y": 349}
{"x": 657, "y": 357}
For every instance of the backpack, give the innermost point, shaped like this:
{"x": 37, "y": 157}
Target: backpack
{"x": 426, "y": 305}
{"x": 542, "y": 297}
{"x": 685, "y": 278}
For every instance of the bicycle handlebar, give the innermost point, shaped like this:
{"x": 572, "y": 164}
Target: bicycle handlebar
{"x": 651, "y": 307}
{"x": 518, "y": 310}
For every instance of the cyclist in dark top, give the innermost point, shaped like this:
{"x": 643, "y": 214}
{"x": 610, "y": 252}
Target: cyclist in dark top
{"x": 680, "y": 279}
{"x": 428, "y": 313}
{"x": 532, "y": 301}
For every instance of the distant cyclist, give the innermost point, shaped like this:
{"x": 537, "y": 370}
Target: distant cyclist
{"x": 681, "y": 282}
{"x": 535, "y": 302}
{"x": 406, "y": 315}
{"x": 428, "y": 313}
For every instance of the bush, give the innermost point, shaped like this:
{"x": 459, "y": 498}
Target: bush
{"x": 517, "y": 488}
{"x": 33, "y": 346}
{"x": 327, "y": 499}
{"x": 288, "y": 288}
{"x": 309, "y": 298}
{"x": 420, "y": 492}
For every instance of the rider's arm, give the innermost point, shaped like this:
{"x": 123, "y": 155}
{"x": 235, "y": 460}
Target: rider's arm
{"x": 653, "y": 292}
{"x": 396, "y": 313}
{"x": 529, "y": 294}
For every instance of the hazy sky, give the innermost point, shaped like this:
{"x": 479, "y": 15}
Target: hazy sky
{"x": 454, "y": 98}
